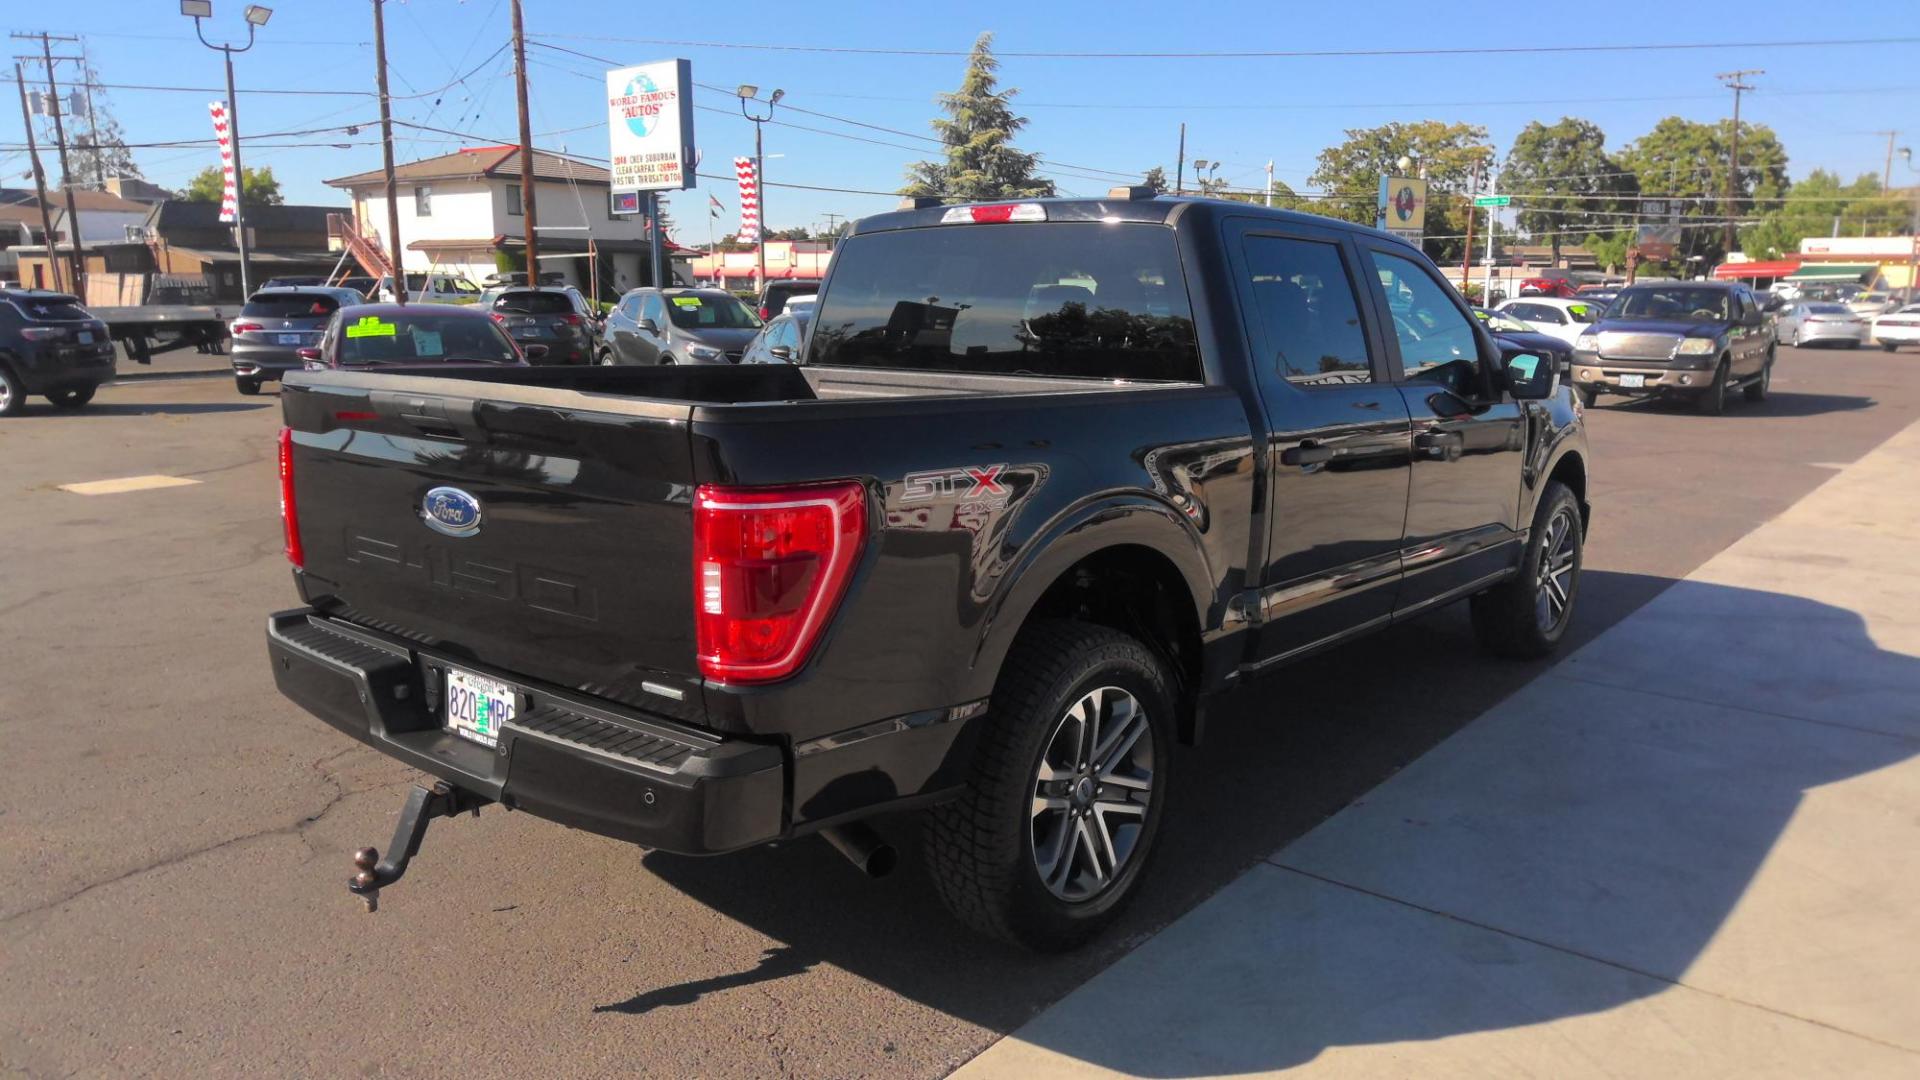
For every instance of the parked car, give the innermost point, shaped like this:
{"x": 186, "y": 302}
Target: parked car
{"x": 401, "y": 335}
{"x": 1561, "y": 318}
{"x": 1546, "y": 286}
{"x": 1601, "y": 295}
{"x": 275, "y": 324}
{"x": 291, "y": 282}
{"x": 679, "y": 326}
{"x": 775, "y": 294}
{"x": 991, "y": 552}
{"x": 1868, "y": 304}
{"x": 1898, "y": 328}
{"x": 558, "y": 318}
{"x": 1508, "y": 330}
{"x": 781, "y": 341}
{"x": 362, "y": 285}
{"x": 429, "y": 289}
{"x": 1820, "y": 322}
{"x": 51, "y": 346}
{"x": 1694, "y": 340}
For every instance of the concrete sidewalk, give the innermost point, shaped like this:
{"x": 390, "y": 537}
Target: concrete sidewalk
{"x": 1692, "y": 848}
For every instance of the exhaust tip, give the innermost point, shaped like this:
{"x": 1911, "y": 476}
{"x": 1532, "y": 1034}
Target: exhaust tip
{"x": 863, "y": 848}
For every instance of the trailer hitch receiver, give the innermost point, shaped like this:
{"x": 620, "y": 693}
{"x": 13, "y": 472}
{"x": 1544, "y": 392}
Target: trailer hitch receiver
{"x": 374, "y": 873}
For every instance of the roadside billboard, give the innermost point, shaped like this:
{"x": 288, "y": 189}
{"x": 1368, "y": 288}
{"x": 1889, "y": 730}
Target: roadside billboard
{"x": 650, "y": 126}
{"x": 1402, "y": 208}
{"x": 1658, "y": 242}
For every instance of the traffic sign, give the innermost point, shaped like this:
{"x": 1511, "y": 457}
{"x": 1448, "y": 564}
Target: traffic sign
{"x": 1492, "y": 200}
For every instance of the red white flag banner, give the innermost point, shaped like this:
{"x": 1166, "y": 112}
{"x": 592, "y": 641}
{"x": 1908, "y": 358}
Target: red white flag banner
{"x": 223, "y": 135}
{"x": 749, "y": 200}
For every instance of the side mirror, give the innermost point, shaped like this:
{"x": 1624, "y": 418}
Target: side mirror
{"x": 649, "y": 326}
{"x": 536, "y": 352}
{"x": 1529, "y": 377}
{"x": 781, "y": 352}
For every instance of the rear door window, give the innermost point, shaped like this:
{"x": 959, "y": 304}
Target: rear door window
{"x": 1085, "y": 300}
{"x": 291, "y": 306}
{"x": 1305, "y": 302}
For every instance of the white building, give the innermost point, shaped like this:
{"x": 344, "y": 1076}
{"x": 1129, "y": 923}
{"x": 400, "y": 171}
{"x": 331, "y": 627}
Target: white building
{"x": 457, "y": 211}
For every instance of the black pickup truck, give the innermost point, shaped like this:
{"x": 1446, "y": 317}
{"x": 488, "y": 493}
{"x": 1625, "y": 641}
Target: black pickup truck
{"x": 1049, "y": 478}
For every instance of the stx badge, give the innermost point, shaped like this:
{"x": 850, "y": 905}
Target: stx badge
{"x": 967, "y": 483}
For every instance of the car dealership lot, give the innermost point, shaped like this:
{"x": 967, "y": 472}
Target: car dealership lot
{"x": 181, "y": 834}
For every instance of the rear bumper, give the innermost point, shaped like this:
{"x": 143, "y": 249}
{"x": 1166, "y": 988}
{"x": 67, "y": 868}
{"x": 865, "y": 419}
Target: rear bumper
{"x": 264, "y": 361}
{"x": 1815, "y": 334}
{"x": 64, "y": 368}
{"x": 640, "y": 779}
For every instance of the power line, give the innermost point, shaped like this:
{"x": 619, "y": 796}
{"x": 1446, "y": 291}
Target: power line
{"x": 1286, "y": 54}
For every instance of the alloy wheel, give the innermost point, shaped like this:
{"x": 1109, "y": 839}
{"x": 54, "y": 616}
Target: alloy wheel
{"x": 6, "y": 395}
{"x": 1091, "y": 791}
{"x": 1553, "y": 581}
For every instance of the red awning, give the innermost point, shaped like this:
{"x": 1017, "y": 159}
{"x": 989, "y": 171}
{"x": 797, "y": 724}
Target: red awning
{"x": 1741, "y": 271}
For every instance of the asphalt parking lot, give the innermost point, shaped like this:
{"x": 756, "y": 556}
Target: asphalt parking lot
{"x": 177, "y": 835}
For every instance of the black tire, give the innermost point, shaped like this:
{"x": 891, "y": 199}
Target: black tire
{"x": 1890, "y": 346}
{"x": 13, "y": 393}
{"x": 1516, "y": 618}
{"x": 666, "y": 359}
{"x": 72, "y": 397}
{"x": 1757, "y": 389}
{"x": 604, "y": 358}
{"x": 1586, "y": 395}
{"x": 1713, "y": 400}
{"x": 981, "y": 848}
{"x": 248, "y": 387}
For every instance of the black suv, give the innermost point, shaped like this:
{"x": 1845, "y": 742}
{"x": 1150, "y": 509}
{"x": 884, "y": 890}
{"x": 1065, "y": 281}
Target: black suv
{"x": 1693, "y": 339}
{"x": 50, "y": 345}
{"x": 557, "y": 318}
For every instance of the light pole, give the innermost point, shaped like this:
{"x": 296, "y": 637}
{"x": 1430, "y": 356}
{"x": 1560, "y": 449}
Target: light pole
{"x": 1203, "y": 171}
{"x": 257, "y": 17}
{"x": 1913, "y": 233}
{"x": 749, "y": 92}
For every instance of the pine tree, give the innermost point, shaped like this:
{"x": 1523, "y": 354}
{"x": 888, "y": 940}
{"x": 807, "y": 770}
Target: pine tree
{"x": 981, "y": 162}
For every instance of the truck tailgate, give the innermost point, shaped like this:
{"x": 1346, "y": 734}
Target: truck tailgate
{"x": 576, "y": 570}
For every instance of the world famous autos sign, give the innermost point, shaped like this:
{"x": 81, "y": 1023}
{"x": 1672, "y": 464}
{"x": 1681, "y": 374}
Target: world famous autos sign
{"x": 1402, "y": 209}
{"x": 650, "y": 126}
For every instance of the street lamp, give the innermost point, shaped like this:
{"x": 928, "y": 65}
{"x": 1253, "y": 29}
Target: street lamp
{"x": 1203, "y": 170}
{"x": 749, "y": 92}
{"x": 256, "y": 17}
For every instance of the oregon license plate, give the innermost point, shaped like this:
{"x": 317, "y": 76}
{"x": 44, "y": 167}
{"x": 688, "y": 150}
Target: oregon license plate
{"x": 293, "y": 339}
{"x": 477, "y": 706}
{"x": 1633, "y": 382}
{"x": 86, "y": 337}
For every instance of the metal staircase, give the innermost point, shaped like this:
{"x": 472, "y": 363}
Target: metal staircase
{"x": 364, "y": 249}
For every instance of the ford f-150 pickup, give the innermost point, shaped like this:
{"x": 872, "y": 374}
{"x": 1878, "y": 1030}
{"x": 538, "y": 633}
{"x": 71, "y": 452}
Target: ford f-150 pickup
{"x": 1049, "y": 477}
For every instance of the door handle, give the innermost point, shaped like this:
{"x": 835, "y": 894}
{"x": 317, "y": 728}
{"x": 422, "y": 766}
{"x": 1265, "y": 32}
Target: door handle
{"x": 1307, "y": 453}
{"x": 1439, "y": 445}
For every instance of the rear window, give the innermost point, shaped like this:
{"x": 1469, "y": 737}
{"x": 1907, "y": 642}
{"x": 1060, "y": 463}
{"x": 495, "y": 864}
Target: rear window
{"x": 718, "y": 312}
{"x": 426, "y": 337}
{"x": 1093, "y": 300}
{"x": 1829, "y": 309}
{"x": 50, "y": 309}
{"x": 290, "y": 305}
{"x": 535, "y": 303}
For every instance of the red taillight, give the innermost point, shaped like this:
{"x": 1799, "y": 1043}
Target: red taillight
{"x": 499, "y": 318}
{"x": 994, "y": 214}
{"x": 765, "y": 313}
{"x": 289, "y": 511}
{"x": 574, "y": 320}
{"x": 246, "y": 327}
{"x": 769, "y": 566}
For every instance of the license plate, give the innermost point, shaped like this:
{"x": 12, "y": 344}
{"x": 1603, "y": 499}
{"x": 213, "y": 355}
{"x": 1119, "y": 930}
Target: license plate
{"x": 526, "y": 333}
{"x": 292, "y": 339}
{"x": 1633, "y": 382}
{"x": 477, "y": 706}
{"x": 86, "y": 337}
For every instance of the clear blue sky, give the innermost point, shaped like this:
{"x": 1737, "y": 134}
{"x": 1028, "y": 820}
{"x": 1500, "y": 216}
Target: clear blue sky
{"x": 1119, "y": 114}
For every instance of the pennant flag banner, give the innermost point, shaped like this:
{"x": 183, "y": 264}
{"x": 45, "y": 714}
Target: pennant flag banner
{"x": 749, "y": 199}
{"x": 223, "y": 134}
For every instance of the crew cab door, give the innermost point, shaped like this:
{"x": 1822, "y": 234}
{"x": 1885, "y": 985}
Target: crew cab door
{"x": 1338, "y": 441}
{"x": 1469, "y": 440}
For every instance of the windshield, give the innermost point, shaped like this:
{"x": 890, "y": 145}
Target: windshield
{"x": 290, "y": 305}
{"x": 423, "y": 338}
{"x": 1506, "y": 324}
{"x": 710, "y": 312}
{"x": 1697, "y": 304}
{"x": 1085, "y": 300}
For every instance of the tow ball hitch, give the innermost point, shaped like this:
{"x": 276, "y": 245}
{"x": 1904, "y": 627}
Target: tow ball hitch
{"x": 422, "y": 806}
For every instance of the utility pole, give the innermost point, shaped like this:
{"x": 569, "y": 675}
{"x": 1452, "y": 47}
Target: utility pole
{"x": 1466, "y": 250}
{"x": 1886, "y": 174}
{"x": 527, "y": 200}
{"x": 78, "y": 272}
{"x": 1270, "y": 201}
{"x": 1180, "y": 167}
{"x": 93, "y": 122}
{"x": 1486, "y": 289}
{"x": 833, "y": 230}
{"x": 39, "y": 177}
{"x": 1733, "y": 80}
{"x": 386, "y": 149}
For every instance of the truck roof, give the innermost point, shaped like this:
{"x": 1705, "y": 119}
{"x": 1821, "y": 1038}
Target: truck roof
{"x": 1153, "y": 210}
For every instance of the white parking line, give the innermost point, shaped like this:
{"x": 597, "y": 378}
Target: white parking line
{"x": 125, "y": 484}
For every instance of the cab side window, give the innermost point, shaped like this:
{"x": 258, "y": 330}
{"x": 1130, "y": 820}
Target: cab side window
{"x": 1305, "y": 303}
{"x": 1431, "y": 330}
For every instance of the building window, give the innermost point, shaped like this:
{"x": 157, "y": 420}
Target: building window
{"x": 516, "y": 207}
{"x": 423, "y": 201}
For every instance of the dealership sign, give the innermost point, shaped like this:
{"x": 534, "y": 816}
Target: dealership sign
{"x": 650, "y": 126}
{"x": 1403, "y": 207}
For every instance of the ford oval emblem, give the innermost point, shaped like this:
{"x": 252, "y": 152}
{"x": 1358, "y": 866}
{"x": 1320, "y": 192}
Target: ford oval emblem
{"x": 451, "y": 511}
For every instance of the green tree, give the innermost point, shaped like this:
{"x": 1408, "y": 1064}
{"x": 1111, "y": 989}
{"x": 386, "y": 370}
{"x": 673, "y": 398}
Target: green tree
{"x": 981, "y": 162}
{"x": 1687, "y": 162}
{"x": 1445, "y": 154}
{"x": 1155, "y": 178}
{"x": 1564, "y": 182}
{"x": 1821, "y": 205}
{"x": 798, "y": 232}
{"x": 257, "y": 187}
{"x": 1609, "y": 248}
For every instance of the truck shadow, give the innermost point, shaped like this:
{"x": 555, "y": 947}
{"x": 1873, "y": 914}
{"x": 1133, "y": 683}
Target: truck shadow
{"x": 1281, "y": 756}
{"x": 1780, "y": 404}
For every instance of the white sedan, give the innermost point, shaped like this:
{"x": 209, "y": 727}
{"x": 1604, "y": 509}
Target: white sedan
{"x": 1897, "y": 328}
{"x": 1564, "y": 319}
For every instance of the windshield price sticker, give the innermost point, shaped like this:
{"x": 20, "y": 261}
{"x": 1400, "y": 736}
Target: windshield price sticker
{"x": 686, "y": 301}
{"x": 371, "y": 326}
